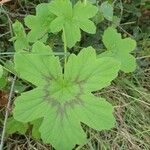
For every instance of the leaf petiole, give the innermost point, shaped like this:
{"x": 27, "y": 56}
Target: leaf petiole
{"x": 65, "y": 47}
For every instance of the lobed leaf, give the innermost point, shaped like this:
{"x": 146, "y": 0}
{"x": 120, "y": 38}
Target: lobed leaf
{"x": 65, "y": 100}
{"x": 39, "y": 24}
{"x": 119, "y": 49}
{"x": 71, "y": 19}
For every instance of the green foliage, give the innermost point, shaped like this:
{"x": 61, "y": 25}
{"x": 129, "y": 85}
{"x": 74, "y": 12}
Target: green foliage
{"x": 119, "y": 49}
{"x": 20, "y": 37}
{"x": 65, "y": 100}
{"x": 1, "y": 71}
{"x": 35, "y": 128}
{"x": 3, "y": 78}
{"x": 19, "y": 87}
{"x": 3, "y": 82}
{"x": 39, "y": 24}
{"x": 62, "y": 96}
{"x": 107, "y": 10}
{"x": 71, "y": 19}
{"x": 14, "y": 126}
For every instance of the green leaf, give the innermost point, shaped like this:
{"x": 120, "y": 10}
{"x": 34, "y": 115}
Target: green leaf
{"x": 40, "y": 53}
{"x": 21, "y": 42}
{"x": 35, "y": 129}
{"x": 119, "y": 49}
{"x": 3, "y": 82}
{"x": 97, "y": 75}
{"x": 107, "y": 10}
{"x": 72, "y": 18}
{"x": 14, "y": 126}
{"x": 65, "y": 100}
{"x": 39, "y": 24}
{"x": 19, "y": 87}
{"x": 1, "y": 71}
{"x": 98, "y": 18}
{"x": 97, "y": 113}
{"x": 116, "y": 21}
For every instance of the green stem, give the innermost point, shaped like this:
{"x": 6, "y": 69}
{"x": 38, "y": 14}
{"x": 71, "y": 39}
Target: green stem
{"x": 65, "y": 47}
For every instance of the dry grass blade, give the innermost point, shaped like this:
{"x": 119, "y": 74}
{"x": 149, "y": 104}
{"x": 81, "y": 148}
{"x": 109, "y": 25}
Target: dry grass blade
{"x": 4, "y": 1}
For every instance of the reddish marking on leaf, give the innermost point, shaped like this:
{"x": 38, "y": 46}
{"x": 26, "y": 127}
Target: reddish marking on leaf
{"x": 61, "y": 109}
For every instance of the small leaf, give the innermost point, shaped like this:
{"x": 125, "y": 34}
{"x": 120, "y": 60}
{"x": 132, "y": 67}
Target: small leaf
{"x": 72, "y": 18}
{"x": 14, "y": 126}
{"x": 98, "y": 18}
{"x": 1, "y": 71}
{"x": 20, "y": 38}
{"x": 116, "y": 21}
{"x": 19, "y": 87}
{"x": 3, "y": 82}
{"x": 35, "y": 129}
{"x": 119, "y": 49}
{"x": 65, "y": 100}
{"x": 39, "y": 24}
{"x": 107, "y": 10}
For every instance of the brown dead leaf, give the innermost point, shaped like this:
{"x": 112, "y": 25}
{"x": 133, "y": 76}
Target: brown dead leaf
{"x": 3, "y": 99}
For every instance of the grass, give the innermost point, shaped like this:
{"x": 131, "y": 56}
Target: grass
{"x": 129, "y": 94}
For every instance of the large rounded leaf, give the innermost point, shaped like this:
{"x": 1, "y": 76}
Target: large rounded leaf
{"x": 64, "y": 101}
